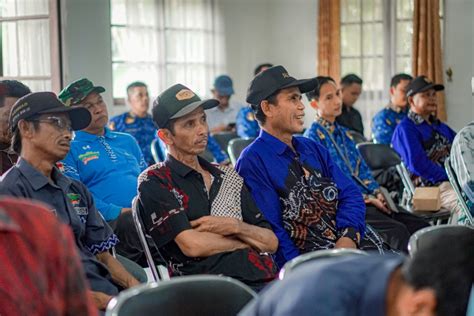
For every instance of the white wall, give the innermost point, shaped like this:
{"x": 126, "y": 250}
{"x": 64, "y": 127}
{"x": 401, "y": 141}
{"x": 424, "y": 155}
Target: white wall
{"x": 459, "y": 55}
{"x": 86, "y": 44}
{"x": 276, "y": 31}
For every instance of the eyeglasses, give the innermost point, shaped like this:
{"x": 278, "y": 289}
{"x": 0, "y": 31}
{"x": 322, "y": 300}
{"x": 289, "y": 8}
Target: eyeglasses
{"x": 59, "y": 123}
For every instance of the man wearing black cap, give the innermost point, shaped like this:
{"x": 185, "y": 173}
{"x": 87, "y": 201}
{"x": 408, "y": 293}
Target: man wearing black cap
{"x": 42, "y": 130}
{"x": 10, "y": 91}
{"x": 201, "y": 215}
{"x": 424, "y": 142}
{"x": 303, "y": 194}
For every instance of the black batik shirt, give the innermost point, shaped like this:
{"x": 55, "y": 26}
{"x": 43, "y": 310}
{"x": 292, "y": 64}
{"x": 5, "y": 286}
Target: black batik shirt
{"x": 173, "y": 194}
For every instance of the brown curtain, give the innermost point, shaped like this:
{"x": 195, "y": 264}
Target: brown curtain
{"x": 426, "y": 52}
{"x": 329, "y": 39}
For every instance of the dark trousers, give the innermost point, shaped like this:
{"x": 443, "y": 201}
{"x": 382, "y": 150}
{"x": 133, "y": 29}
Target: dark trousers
{"x": 395, "y": 228}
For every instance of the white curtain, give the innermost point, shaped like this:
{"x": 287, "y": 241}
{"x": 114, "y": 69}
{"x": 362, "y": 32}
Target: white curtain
{"x": 163, "y": 42}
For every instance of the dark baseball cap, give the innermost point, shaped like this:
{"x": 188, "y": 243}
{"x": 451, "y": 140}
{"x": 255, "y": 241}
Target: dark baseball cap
{"x": 421, "y": 84}
{"x": 37, "y": 103}
{"x": 78, "y": 90}
{"x": 175, "y": 102}
{"x": 273, "y": 79}
{"x": 223, "y": 85}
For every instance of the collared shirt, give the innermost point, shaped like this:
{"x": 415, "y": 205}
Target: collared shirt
{"x": 385, "y": 122}
{"x": 7, "y": 159}
{"x": 246, "y": 124}
{"x": 343, "y": 151}
{"x": 353, "y": 285}
{"x": 304, "y": 195}
{"x": 217, "y": 116}
{"x": 423, "y": 147}
{"x": 351, "y": 119}
{"x": 72, "y": 203}
{"x": 172, "y": 194}
{"x": 462, "y": 161}
{"x": 109, "y": 166}
{"x": 41, "y": 271}
{"x": 142, "y": 128}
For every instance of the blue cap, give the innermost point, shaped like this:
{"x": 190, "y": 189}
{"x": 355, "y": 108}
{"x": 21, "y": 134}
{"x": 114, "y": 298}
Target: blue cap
{"x": 223, "y": 85}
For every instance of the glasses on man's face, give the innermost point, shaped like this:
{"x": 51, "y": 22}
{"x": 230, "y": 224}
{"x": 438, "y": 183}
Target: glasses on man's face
{"x": 59, "y": 123}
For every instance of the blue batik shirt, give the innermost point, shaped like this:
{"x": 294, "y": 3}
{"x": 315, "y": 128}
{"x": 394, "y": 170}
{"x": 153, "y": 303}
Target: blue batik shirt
{"x": 338, "y": 141}
{"x": 142, "y": 128}
{"x": 306, "y": 198}
{"x": 385, "y": 122}
{"x": 109, "y": 166}
{"x": 247, "y": 125}
{"x": 423, "y": 147}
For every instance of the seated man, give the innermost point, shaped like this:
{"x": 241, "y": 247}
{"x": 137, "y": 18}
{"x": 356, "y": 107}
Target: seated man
{"x": 108, "y": 163}
{"x": 51, "y": 279}
{"x": 385, "y": 121}
{"x": 10, "y": 91}
{"x": 424, "y": 142}
{"x": 42, "y": 130}
{"x": 309, "y": 202}
{"x": 395, "y": 226}
{"x": 137, "y": 122}
{"x": 378, "y": 285}
{"x": 200, "y": 215}
{"x": 222, "y": 117}
{"x": 246, "y": 124}
{"x": 462, "y": 161}
{"x": 351, "y": 87}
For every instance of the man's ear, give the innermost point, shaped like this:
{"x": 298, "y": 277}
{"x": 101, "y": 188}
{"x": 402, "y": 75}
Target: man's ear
{"x": 166, "y": 136}
{"x": 392, "y": 90}
{"x": 410, "y": 100}
{"x": 25, "y": 128}
{"x": 266, "y": 108}
{"x": 423, "y": 302}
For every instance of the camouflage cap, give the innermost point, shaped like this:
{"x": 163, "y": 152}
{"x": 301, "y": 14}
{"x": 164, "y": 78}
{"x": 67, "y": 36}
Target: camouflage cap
{"x": 77, "y": 91}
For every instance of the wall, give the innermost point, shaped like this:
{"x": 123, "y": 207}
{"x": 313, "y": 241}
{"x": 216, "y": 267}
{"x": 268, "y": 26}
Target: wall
{"x": 86, "y": 44}
{"x": 458, "y": 54}
{"x": 276, "y": 31}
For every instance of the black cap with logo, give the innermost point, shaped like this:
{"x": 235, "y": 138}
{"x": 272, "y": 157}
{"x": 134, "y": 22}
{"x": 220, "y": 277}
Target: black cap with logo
{"x": 421, "y": 84}
{"x": 177, "y": 101}
{"x": 273, "y": 79}
{"x": 37, "y": 103}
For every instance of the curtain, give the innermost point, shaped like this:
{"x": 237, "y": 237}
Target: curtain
{"x": 426, "y": 50}
{"x": 329, "y": 39}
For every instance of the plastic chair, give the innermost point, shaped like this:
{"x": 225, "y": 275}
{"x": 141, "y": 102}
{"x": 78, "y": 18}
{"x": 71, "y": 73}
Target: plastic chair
{"x": 236, "y": 146}
{"x": 457, "y": 188}
{"x": 357, "y": 137}
{"x": 156, "y": 151}
{"x": 419, "y": 238}
{"x": 188, "y": 295}
{"x": 380, "y": 156}
{"x": 316, "y": 255}
{"x": 224, "y": 138}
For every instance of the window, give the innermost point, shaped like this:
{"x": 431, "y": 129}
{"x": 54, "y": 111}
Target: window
{"x": 29, "y": 43}
{"x": 376, "y": 43}
{"x": 163, "y": 42}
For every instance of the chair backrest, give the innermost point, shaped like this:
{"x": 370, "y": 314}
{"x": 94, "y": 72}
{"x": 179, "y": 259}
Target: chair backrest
{"x": 378, "y": 156}
{"x": 357, "y": 137}
{"x": 156, "y": 151}
{"x": 457, "y": 189}
{"x": 317, "y": 255}
{"x": 419, "y": 238}
{"x": 143, "y": 239}
{"x": 188, "y": 295}
{"x": 236, "y": 146}
{"x": 224, "y": 138}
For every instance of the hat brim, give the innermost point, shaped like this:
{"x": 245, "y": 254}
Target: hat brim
{"x": 205, "y": 104}
{"x": 225, "y": 92}
{"x": 80, "y": 117}
{"x": 305, "y": 85}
